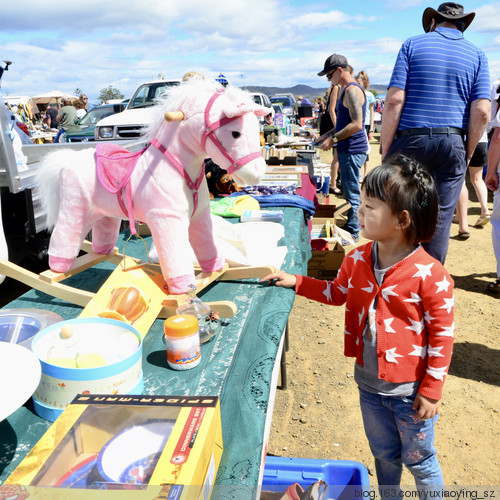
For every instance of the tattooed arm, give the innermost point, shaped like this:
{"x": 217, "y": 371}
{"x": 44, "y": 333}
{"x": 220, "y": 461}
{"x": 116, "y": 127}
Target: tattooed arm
{"x": 353, "y": 100}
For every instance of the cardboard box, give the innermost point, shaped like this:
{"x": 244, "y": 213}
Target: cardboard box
{"x": 157, "y": 446}
{"x": 326, "y": 211}
{"x": 322, "y": 227}
{"x": 324, "y": 264}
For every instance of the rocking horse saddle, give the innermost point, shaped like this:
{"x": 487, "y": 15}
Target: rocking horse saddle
{"x": 115, "y": 165}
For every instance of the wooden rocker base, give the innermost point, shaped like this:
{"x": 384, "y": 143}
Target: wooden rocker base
{"x": 49, "y": 281}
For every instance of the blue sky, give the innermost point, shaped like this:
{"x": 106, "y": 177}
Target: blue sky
{"x": 92, "y": 44}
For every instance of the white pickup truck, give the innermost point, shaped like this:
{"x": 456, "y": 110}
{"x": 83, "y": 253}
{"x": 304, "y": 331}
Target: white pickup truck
{"x": 23, "y": 228}
{"x": 22, "y": 221}
{"x": 129, "y": 123}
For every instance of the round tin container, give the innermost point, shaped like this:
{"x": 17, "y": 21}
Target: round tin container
{"x": 59, "y": 384}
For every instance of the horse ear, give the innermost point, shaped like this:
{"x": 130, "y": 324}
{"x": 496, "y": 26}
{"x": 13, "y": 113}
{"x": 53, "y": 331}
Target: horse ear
{"x": 231, "y": 110}
{"x": 262, "y": 111}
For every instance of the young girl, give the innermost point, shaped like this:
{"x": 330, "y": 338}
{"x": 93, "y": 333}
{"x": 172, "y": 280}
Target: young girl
{"x": 398, "y": 319}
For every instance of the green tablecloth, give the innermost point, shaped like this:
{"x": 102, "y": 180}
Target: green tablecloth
{"x": 236, "y": 365}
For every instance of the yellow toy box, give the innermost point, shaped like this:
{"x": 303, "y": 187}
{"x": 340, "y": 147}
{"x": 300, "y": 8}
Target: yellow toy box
{"x": 124, "y": 446}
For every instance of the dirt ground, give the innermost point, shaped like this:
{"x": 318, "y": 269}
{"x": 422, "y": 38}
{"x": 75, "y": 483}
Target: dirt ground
{"x": 318, "y": 415}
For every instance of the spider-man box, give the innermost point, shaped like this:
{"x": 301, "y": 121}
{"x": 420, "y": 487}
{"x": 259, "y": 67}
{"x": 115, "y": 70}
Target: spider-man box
{"x": 151, "y": 447}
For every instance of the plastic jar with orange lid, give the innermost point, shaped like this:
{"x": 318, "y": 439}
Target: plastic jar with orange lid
{"x": 182, "y": 339}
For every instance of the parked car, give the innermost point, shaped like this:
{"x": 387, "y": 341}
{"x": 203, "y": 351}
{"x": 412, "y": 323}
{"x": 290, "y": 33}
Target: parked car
{"x": 262, "y": 99}
{"x": 88, "y": 123}
{"x": 287, "y": 94}
{"x": 286, "y": 103}
{"x": 278, "y": 109}
{"x": 130, "y": 123}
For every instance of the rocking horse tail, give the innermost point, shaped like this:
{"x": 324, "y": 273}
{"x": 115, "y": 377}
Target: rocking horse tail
{"x": 48, "y": 185}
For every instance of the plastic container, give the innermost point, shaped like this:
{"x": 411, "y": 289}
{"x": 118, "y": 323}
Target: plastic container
{"x": 182, "y": 339}
{"x": 262, "y": 215}
{"x": 208, "y": 327}
{"x": 19, "y": 326}
{"x": 322, "y": 184}
{"x": 345, "y": 479}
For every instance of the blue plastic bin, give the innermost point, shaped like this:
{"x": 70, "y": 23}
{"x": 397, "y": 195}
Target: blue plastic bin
{"x": 345, "y": 479}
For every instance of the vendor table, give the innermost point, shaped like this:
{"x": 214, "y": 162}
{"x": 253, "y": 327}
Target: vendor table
{"x": 237, "y": 365}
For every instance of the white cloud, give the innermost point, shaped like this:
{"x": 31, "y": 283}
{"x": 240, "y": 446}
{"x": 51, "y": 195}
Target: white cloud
{"x": 486, "y": 19}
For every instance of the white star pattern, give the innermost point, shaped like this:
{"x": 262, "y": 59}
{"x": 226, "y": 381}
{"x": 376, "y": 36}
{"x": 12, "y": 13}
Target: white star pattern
{"x": 435, "y": 352}
{"x": 423, "y": 271}
{"x": 442, "y": 285}
{"x": 437, "y": 373}
{"x": 419, "y": 351}
{"x": 346, "y": 332}
{"x": 416, "y": 326}
{"x": 349, "y": 284}
{"x": 391, "y": 355}
{"x": 448, "y": 304}
{"x": 427, "y": 317}
{"x": 357, "y": 341}
{"x": 357, "y": 255}
{"x": 368, "y": 289}
{"x": 361, "y": 315}
{"x": 328, "y": 291}
{"x": 388, "y": 327}
{"x": 343, "y": 289}
{"x": 414, "y": 298}
{"x": 387, "y": 291}
{"x": 448, "y": 331}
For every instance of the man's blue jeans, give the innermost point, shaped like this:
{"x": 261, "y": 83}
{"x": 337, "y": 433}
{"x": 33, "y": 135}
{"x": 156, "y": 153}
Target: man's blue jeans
{"x": 397, "y": 437}
{"x": 350, "y": 169}
{"x": 444, "y": 156}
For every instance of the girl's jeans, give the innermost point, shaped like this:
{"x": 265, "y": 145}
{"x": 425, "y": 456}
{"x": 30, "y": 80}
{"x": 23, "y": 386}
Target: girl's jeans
{"x": 397, "y": 437}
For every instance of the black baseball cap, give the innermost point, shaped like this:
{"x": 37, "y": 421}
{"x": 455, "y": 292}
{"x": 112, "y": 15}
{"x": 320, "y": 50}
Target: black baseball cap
{"x": 333, "y": 62}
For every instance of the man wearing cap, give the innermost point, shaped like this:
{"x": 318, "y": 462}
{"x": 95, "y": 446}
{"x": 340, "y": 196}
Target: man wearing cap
{"x": 349, "y": 137}
{"x": 437, "y": 107}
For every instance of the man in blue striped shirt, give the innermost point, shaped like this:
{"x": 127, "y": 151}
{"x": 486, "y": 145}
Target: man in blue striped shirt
{"x": 437, "y": 107}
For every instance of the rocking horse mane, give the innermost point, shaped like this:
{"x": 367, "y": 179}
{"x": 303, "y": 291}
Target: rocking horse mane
{"x": 174, "y": 99}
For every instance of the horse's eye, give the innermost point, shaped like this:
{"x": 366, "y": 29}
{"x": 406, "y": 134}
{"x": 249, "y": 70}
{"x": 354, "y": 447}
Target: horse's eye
{"x": 236, "y": 134}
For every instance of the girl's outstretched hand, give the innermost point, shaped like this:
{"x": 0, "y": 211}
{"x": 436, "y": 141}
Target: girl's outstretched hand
{"x": 426, "y": 407}
{"x": 280, "y": 278}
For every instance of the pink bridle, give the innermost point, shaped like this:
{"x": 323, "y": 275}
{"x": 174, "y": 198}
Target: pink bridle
{"x": 209, "y": 133}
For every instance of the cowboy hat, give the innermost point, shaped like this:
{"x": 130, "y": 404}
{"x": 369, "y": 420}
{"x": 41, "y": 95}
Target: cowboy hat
{"x": 448, "y": 10}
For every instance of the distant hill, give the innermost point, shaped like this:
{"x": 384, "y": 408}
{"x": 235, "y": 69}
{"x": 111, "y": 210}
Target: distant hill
{"x": 304, "y": 90}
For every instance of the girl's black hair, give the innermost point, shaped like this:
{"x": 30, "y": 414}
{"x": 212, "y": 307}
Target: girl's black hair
{"x": 403, "y": 184}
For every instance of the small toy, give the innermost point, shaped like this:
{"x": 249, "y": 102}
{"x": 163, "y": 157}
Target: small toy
{"x": 163, "y": 185}
{"x": 218, "y": 180}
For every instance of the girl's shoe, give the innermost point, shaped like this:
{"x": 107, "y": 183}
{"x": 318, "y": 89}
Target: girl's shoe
{"x": 482, "y": 221}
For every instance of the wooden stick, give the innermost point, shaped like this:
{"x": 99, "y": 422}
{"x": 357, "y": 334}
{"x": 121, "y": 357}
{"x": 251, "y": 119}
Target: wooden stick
{"x": 81, "y": 264}
{"x": 238, "y": 273}
{"x": 64, "y": 292}
{"x": 174, "y": 116}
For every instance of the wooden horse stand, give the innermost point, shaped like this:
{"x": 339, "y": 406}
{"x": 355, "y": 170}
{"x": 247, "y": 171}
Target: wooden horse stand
{"x": 129, "y": 272}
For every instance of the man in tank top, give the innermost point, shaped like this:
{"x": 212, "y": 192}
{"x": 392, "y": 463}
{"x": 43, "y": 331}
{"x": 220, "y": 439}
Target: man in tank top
{"x": 350, "y": 137}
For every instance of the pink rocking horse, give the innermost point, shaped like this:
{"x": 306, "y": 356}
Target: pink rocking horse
{"x": 164, "y": 186}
